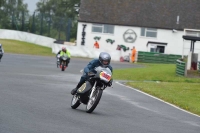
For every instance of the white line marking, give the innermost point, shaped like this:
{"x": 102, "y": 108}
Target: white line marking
{"x": 123, "y": 98}
{"x": 158, "y": 99}
{"x": 192, "y": 123}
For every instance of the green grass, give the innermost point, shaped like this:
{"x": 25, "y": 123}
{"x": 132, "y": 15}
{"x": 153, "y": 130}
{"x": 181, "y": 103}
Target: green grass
{"x": 180, "y": 91}
{"x": 184, "y": 95}
{"x": 19, "y": 47}
{"x": 153, "y": 72}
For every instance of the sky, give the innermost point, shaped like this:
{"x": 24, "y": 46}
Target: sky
{"x": 31, "y": 5}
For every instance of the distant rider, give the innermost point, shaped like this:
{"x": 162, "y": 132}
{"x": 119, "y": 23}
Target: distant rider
{"x": 63, "y": 52}
{"x": 104, "y": 61}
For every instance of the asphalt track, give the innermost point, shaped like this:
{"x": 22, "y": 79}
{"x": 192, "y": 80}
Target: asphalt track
{"x": 35, "y": 98}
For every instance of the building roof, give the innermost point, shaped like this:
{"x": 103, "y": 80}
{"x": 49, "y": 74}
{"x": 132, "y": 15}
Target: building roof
{"x": 142, "y": 13}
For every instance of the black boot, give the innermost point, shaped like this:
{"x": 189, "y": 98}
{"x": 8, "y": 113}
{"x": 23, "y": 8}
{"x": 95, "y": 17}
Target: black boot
{"x": 75, "y": 89}
{"x": 67, "y": 63}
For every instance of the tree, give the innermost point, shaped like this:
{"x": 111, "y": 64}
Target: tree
{"x": 11, "y": 13}
{"x": 57, "y": 15}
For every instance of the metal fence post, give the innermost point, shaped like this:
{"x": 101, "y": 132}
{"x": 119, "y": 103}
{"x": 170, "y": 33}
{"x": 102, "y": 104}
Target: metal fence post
{"x": 22, "y": 26}
{"x": 68, "y": 30}
{"x": 41, "y": 25}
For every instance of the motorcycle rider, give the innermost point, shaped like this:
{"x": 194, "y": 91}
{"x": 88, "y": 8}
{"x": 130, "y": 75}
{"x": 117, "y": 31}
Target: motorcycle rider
{"x": 1, "y": 52}
{"x": 104, "y": 61}
{"x": 63, "y": 52}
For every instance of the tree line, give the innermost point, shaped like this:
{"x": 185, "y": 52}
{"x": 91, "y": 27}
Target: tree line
{"x": 52, "y": 18}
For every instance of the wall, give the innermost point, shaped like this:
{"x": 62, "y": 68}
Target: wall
{"x": 174, "y": 40}
{"x": 79, "y": 51}
{"x": 26, "y": 37}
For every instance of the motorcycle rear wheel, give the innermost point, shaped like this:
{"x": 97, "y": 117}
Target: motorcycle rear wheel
{"x": 93, "y": 102}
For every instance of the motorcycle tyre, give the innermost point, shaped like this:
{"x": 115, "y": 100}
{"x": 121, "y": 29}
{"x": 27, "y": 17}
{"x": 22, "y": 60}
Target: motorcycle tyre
{"x": 96, "y": 102}
{"x": 63, "y": 68}
{"x": 76, "y": 104}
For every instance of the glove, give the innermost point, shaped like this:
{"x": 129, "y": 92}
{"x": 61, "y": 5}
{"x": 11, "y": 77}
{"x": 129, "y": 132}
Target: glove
{"x": 90, "y": 74}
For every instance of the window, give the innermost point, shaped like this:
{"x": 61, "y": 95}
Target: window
{"x": 108, "y": 29}
{"x": 157, "y": 49}
{"x": 160, "y": 49}
{"x": 99, "y": 28}
{"x": 149, "y": 32}
{"x": 153, "y": 50}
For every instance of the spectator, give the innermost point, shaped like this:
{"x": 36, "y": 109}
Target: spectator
{"x": 96, "y": 45}
{"x": 133, "y": 54}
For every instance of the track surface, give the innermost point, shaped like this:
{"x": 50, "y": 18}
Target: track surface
{"x": 35, "y": 98}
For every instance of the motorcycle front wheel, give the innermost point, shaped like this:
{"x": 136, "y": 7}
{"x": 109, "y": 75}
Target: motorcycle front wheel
{"x": 63, "y": 68}
{"x": 75, "y": 102}
{"x": 93, "y": 102}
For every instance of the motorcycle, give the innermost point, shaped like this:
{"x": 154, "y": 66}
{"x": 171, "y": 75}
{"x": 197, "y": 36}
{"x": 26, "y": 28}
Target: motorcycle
{"x": 91, "y": 91}
{"x": 63, "y": 63}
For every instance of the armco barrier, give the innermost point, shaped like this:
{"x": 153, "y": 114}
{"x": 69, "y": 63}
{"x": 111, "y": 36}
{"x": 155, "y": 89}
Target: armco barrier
{"x": 26, "y": 37}
{"x": 149, "y": 57}
{"x": 180, "y": 68}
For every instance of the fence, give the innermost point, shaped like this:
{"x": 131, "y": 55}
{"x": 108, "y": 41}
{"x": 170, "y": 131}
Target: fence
{"x": 199, "y": 65}
{"x": 149, "y": 57}
{"x": 58, "y": 27}
{"x": 180, "y": 68}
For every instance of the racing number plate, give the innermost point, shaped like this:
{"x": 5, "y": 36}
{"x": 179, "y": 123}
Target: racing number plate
{"x": 105, "y": 75}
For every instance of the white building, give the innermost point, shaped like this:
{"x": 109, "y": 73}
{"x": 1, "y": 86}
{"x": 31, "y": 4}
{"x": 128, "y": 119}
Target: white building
{"x": 152, "y": 26}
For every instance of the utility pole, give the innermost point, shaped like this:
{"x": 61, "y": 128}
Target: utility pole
{"x": 68, "y": 29}
{"x": 49, "y": 23}
{"x": 41, "y": 22}
{"x": 33, "y": 23}
{"x": 22, "y": 28}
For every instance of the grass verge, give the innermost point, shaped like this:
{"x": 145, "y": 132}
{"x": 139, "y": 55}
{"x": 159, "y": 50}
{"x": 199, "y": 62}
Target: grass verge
{"x": 180, "y": 91}
{"x": 184, "y": 95}
{"x": 153, "y": 72}
{"x": 19, "y": 47}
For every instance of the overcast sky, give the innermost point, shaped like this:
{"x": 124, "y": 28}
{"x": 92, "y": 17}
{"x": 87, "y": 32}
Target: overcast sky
{"x": 31, "y": 5}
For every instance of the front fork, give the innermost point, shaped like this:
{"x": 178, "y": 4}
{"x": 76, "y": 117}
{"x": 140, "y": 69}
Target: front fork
{"x": 93, "y": 89}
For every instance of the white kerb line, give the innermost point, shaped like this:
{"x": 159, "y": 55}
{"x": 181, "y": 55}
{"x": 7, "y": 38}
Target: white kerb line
{"x": 158, "y": 99}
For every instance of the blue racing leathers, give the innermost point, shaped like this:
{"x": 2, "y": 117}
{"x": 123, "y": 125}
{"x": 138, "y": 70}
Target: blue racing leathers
{"x": 90, "y": 68}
